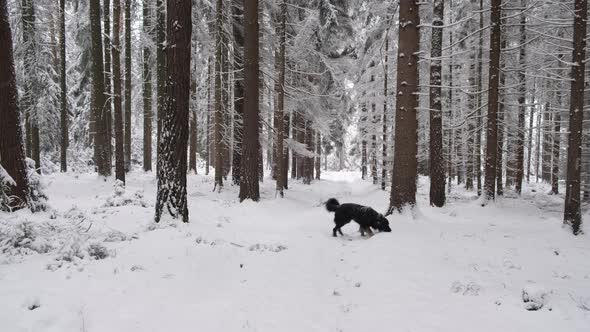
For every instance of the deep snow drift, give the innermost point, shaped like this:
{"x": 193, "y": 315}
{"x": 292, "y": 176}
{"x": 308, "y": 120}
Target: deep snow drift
{"x": 97, "y": 263}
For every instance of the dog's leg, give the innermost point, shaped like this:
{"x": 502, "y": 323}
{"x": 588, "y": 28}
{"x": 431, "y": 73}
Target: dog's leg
{"x": 340, "y": 231}
{"x": 369, "y": 231}
{"x": 334, "y": 231}
{"x": 362, "y": 230}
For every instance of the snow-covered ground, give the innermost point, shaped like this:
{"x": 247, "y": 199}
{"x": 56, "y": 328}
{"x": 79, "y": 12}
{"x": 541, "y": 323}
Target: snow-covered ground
{"x": 274, "y": 266}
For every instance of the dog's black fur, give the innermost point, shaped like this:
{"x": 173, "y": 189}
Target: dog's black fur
{"x": 365, "y": 216}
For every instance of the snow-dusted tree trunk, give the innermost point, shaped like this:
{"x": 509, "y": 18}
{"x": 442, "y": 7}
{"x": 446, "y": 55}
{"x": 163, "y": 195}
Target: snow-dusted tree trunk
{"x": 493, "y": 96}
{"x": 280, "y": 160}
{"x": 12, "y": 152}
{"x": 572, "y": 214}
{"x": 238, "y": 63}
{"x": 249, "y": 183}
{"x": 147, "y": 87}
{"x": 98, "y": 91}
{"x": 174, "y": 135}
{"x": 31, "y": 81}
{"x": 119, "y": 135}
{"x": 108, "y": 107}
{"x": 521, "y": 102}
{"x": 160, "y": 68}
{"x": 65, "y": 138}
{"x": 501, "y": 115}
{"x": 384, "y": 148}
{"x": 128, "y": 57}
{"x": 437, "y": 166}
{"x": 208, "y": 130}
{"x": 219, "y": 109}
{"x": 404, "y": 175}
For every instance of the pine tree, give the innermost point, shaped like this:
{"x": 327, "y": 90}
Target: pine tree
{"x": 106, "y": 8}
{"x": 98, "y": 92}
{"x": 63, "y": 89}
{"x": 173, "y": 144}
{"x": 280, "y": 160}
{"x": 119, "y": 135}
{"x": 521, "y": 103}
{"x": 147, "y": 88}
{"x": 219, "y": 110}
{"x": 160, "y": 68}
{"x": 437, "y": 169}
{"x": 404, "y": 175}
{"x": 127, "y": 85}
{"x": 12, "y": 152}
{"x": 31, "y": 82}
{"x": 493, "y": 96}
{"x": 249, "y": 186}
{"x": 238, "y": 63}
{"x": 572, "y": 214}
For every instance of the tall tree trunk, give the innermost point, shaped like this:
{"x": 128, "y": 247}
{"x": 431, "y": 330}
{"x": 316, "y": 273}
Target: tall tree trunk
{"x": 119, "y": 135}
{"x": 538, "y": 153}
{"x": 238, "y": 33}
{"x": 31, "y": 81}
{"x": 219, "y": 109}
{"x": 98, "y": 92}
{"x": 160, "y": 69}
{"x": 452, "y": 115}
{"x": 364, "y": 157}
{"x": 280, "y": 160}
{"x": 374, "y": 143}
{"x": 286, "y": 128}
{"x": 493, "y": 96}
{"x": 572, "y": 214}
{"x": 501, "y": 114}
{"x": 308, "y": 161}
{"x": 478, "y": 153}
{"x": 318, "y": 158}
{"x": 225, "y": 94}
{"x": 556, "y": 147}
{"x": 147, "y": 89}
{"x": 530, "y": 137}
{"x": 470, "y": 131}
{"x": 521, "y": 102}
{"x": 208, "y": 124}
{"x": 12, "y": 152}
{"x": 249, "y": 185}
{"x": 108, "y": 108}
{"x": 300, "y": 139}
{"x": 547, "y": 145}
{"x": 437, "y": 168}
{"x": 403, "y": 182}
{"x": 173, "y": 143}
{"x": 295, "y": 135}
{"x": 384, "y": 165}
{"x": 65, "y": 137}
{"x": 192, "y": 163}
{"x": 128, "y": 85}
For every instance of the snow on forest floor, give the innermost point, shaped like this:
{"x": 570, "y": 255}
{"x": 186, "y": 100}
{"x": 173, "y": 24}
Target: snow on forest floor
{"x": 274, "y": 266}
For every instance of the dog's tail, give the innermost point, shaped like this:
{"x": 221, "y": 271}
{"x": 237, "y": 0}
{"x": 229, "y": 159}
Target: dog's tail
{"x": 332, "y": 204}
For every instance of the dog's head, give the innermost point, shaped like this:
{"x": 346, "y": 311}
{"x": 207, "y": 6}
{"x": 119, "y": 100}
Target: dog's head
{"x": 382, "y": 224}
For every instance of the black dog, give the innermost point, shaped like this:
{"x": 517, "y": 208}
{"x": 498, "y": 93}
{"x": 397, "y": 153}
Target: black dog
{"x": 365, "y": 216}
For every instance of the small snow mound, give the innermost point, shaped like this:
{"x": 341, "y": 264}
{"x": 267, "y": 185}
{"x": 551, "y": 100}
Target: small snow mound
{"x": 22, "y": 237}
{"x": 115, "y": 236}
{"x": 534, "y": 297}
{"x": 466, "y": 289}
{"x": 266, "y": 247}
{"x": 120, "y": 197}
